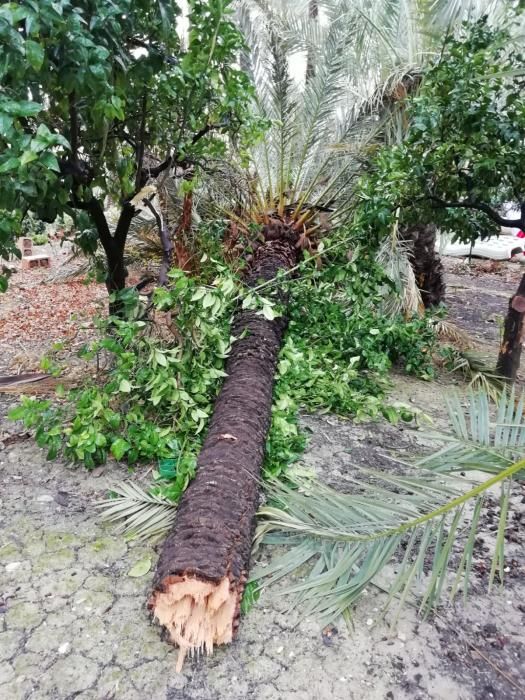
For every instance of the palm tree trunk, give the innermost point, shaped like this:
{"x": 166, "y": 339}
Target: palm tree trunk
{"x": 313, "y": 14}
{"x": 510, "y": 351}
{"x": 203, "y": 566}
{"x": 426, "y": 263}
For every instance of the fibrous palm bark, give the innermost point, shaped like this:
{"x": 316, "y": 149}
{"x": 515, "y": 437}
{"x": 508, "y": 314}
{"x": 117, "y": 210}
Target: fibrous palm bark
{"x": 203, "y": 566}
{"x": 513, "y": 336}
{"x": 426, "y": 263}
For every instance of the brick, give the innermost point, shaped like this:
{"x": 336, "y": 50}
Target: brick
{"x": 26, "y": 246}
{"x": 31, "y": 262}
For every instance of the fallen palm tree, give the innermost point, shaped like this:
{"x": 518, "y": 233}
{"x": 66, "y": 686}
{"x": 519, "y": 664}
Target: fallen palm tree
{"x": 203, "y": 566}
{"x": 303, "y": 177}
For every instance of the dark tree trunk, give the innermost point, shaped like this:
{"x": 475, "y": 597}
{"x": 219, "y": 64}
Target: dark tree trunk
{"x": 313, "y": 14}
{"x": 426, "y": 263}
{"x": 114, "y": 246}
{"x": 510, "y": 351}
{"x": 116, "y": 278}
{"x": 203, "y": 566}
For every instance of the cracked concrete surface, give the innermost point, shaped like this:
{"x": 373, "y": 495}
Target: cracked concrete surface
{"x": 73, "y": 624}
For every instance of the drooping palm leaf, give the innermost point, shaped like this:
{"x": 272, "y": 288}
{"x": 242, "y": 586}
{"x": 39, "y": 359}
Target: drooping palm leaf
{"x": 447, "y": 330}
{"x": 394, "y": 257}
{"x": 141, "y": 515}
{"x": 478, "y": 368}
{"x": 353, "y": 538}
{"x": 479, "y": 441}
{"x": 425, "y": 523}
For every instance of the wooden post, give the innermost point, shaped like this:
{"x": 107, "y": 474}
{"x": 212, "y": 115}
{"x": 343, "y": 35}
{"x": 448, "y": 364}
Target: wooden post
{"x": 510, "y": 352}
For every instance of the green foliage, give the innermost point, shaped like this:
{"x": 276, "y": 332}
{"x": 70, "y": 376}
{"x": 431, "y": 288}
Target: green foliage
{"x": 40, "y": 238}
{"x": 459, "y": 161}
{"x": 338, "y": 350}
{"x": 31, "y": 226}
{"x": 249, "y": 597}
{"x": 336, "y": 317}
{"x": 89, "y": 88}
{"x": 158, "y": 393}
{"x": 154, "y": 401}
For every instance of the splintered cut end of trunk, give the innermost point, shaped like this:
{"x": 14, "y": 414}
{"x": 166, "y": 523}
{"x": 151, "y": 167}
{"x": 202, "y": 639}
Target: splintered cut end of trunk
{"x": 198, "y": 615}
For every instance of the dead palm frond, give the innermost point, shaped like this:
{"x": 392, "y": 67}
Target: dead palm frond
{"x": 394, "y": 256}
{"x": 425, "y": 520}
{"x": 479, "y": 370}
{"x": 447, "y": 330}
{"x": 141, "y": 515}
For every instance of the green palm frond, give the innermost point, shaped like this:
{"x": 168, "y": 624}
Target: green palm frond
{"x": 424, "y": 522}
{"x": 364, "y": 57}
{"x": 478, "y": 440}
{"x": 141, "y": 515}
{"x": 353, "y": 538}
{"x": 301, "y": 166}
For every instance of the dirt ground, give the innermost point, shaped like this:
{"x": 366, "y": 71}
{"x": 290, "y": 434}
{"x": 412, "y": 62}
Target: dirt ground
{"x": 73, "y": 623}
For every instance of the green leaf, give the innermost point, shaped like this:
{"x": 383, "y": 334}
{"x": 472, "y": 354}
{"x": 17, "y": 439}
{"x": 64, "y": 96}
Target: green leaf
{"x": 34, "y": 54}
{"x": 141, "y": 568}
{"x": 119, "y": 447}
{"x": 23, "y": 108}
{"x": 17, "y": 413}
{"x": 5, "y": 123}
{"x": 208, "y": 301}
{"x": 50, "y": 161}
{"x": 10, "y": 164}
{"x": 251, "y": 595}
{"x": 268, "y": 313}
{"x": 160, "y": 358}
{"x": 198, "y": 294}
{"x": 28, "y": 157}
{"x": 124, "y": 386}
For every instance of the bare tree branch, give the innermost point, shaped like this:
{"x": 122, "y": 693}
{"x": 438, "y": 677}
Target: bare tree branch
{"x": 140, "y": 143}
{"x": 485, "y": 208}
{"x": 167, "y": 245}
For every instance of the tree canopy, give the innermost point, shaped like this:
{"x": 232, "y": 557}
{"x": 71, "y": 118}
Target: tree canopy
{"x": 97, "y": 98}
{"x": 460, "y": 160}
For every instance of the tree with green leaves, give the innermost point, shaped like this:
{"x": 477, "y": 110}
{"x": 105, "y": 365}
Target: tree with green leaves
{"x": 460, "y": 161}
{"x": 385, "y": 49}
{"x": 102, "y": 98}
